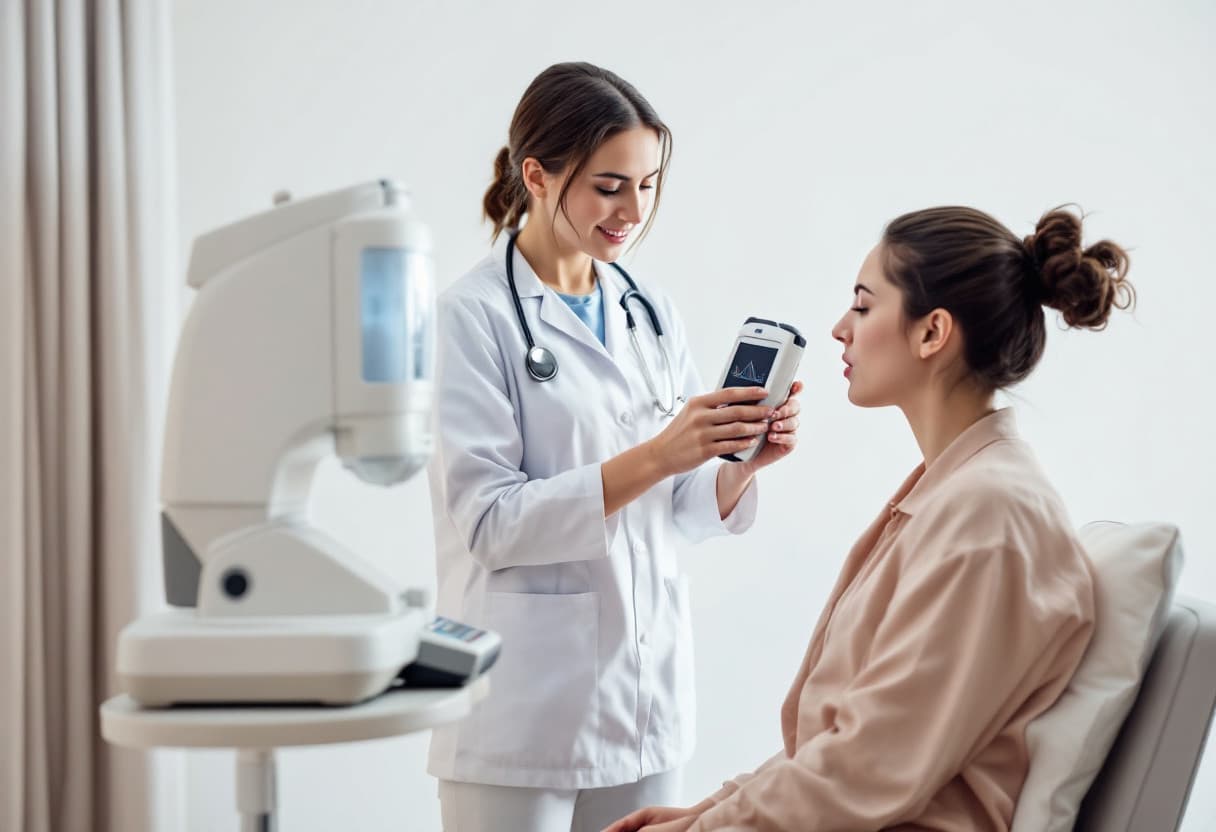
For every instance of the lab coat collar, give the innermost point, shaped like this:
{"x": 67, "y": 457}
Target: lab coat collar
{"x": 616, "y": 335}
{"x": 527, "y": 284}
{"x": 924, "y": 482}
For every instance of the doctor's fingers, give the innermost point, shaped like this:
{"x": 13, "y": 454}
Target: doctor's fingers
{"x": 787, "y": 440}
{"x": 730, "y": 446}
{"x": 739, "y": 413}
{"x": 792, "y": 407}
{"x": 788, "y": 425}
{"x": 733, "y": 430}
{"x": 730, "y": 395}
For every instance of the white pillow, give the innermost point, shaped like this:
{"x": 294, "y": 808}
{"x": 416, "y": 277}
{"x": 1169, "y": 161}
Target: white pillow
{"x": 1135, "y": 568}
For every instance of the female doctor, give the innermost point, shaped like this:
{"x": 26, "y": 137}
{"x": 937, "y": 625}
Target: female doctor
{"x": 574, "y": 444}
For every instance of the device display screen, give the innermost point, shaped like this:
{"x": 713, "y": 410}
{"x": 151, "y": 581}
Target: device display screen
{"x": 750, "y": 366}
{"x": 393, "y": 315}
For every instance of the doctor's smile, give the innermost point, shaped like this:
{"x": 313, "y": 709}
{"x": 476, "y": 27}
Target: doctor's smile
{"x": 612, "y": 235}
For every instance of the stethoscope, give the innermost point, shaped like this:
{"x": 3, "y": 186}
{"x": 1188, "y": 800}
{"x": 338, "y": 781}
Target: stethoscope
{"x": 542, "y": 366}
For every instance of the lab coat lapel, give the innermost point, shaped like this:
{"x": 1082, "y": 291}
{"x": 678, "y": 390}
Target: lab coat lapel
{"x": 555, "y": 313}
{"x": 616, "y": 332}
{"x": 616, "y": 335}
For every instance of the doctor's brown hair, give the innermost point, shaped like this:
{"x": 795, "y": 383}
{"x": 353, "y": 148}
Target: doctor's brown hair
{"x": 996, "y": 284}
{"x": 566, "y": 113}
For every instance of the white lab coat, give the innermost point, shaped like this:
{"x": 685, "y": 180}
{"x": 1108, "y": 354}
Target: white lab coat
{"x": 594, "y": 686}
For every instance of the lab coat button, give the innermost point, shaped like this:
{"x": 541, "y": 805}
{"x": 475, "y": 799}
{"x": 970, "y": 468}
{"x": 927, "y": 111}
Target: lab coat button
{"x": 626, "y": 418}
{"x": 644, "y": 638}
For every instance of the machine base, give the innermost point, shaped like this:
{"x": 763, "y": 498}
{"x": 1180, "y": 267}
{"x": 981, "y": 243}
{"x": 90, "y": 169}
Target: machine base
{"x": 180, "y": 657}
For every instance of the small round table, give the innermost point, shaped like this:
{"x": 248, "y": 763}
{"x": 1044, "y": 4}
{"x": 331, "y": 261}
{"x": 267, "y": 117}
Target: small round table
{"x": 255, "y": 731}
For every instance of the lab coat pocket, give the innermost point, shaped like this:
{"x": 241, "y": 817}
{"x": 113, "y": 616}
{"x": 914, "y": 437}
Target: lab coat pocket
{"x": 682, "y": 663}
{"x": 542, "y": 710}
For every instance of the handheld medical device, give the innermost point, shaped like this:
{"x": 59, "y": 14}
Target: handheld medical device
{"x": 766, "y": 354}
{"x": 310, "y": 334}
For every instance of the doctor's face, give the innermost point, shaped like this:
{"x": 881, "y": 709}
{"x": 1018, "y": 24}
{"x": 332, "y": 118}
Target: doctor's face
{"x": 881, "y": 364}
{"x": 609, "y": 200}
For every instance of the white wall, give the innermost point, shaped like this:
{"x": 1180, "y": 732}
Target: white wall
{"x": 800, "y": 128}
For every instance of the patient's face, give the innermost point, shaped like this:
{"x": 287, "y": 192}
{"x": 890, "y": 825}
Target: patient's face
{"x": 881, "y": 365}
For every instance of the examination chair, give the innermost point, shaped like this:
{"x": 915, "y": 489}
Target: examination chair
{"x": 1146, "y": 779}
{"x": 1119, "y": 749}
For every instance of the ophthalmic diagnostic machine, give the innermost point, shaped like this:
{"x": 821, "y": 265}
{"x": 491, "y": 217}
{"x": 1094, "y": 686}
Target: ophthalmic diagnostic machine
{"x": 310, "y": 334}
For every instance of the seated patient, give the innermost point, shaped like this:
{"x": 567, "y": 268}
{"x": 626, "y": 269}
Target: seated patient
{"x": 964, "y": 609}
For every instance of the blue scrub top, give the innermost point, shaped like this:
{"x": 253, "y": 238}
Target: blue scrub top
{"x": 589, "y": 308}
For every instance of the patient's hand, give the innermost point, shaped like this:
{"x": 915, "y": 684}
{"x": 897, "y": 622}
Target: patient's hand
{"x": 656, "y": 819}
{"x": 677, "y": 825}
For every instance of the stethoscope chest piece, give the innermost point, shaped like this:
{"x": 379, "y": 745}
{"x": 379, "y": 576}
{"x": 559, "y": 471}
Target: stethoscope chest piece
{"x": 541, "y": 364}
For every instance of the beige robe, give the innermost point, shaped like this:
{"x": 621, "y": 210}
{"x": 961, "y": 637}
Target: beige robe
{"x": 959, "y": 616}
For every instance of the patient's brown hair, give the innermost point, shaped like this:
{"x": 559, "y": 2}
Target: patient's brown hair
{"x": 996, "y": 284}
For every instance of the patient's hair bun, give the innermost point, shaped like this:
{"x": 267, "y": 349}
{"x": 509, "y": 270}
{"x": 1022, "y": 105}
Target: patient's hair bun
{"x": 1082, "y": 283}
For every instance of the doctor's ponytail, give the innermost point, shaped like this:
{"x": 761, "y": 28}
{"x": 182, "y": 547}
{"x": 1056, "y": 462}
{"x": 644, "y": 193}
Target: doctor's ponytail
{"x": 566, "y": 113}
{"x": 506, "y": 199}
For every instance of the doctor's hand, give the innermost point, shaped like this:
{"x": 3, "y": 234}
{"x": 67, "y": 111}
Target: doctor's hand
{"x": 709, "y": 425}
{"x": 659, "y": 819}
{"x": 782, "y": 432}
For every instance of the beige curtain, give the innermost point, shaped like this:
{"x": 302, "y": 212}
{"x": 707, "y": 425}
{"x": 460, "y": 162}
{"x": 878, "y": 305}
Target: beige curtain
{"x": 87, "y": 264}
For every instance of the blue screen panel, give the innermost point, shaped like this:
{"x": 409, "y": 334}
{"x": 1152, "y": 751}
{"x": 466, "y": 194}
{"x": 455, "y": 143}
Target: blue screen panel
{"x": 384, "y": 313}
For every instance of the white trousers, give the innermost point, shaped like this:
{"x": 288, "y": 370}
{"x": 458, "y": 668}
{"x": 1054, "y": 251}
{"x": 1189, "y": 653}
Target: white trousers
{"x": 475, "y": 807}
